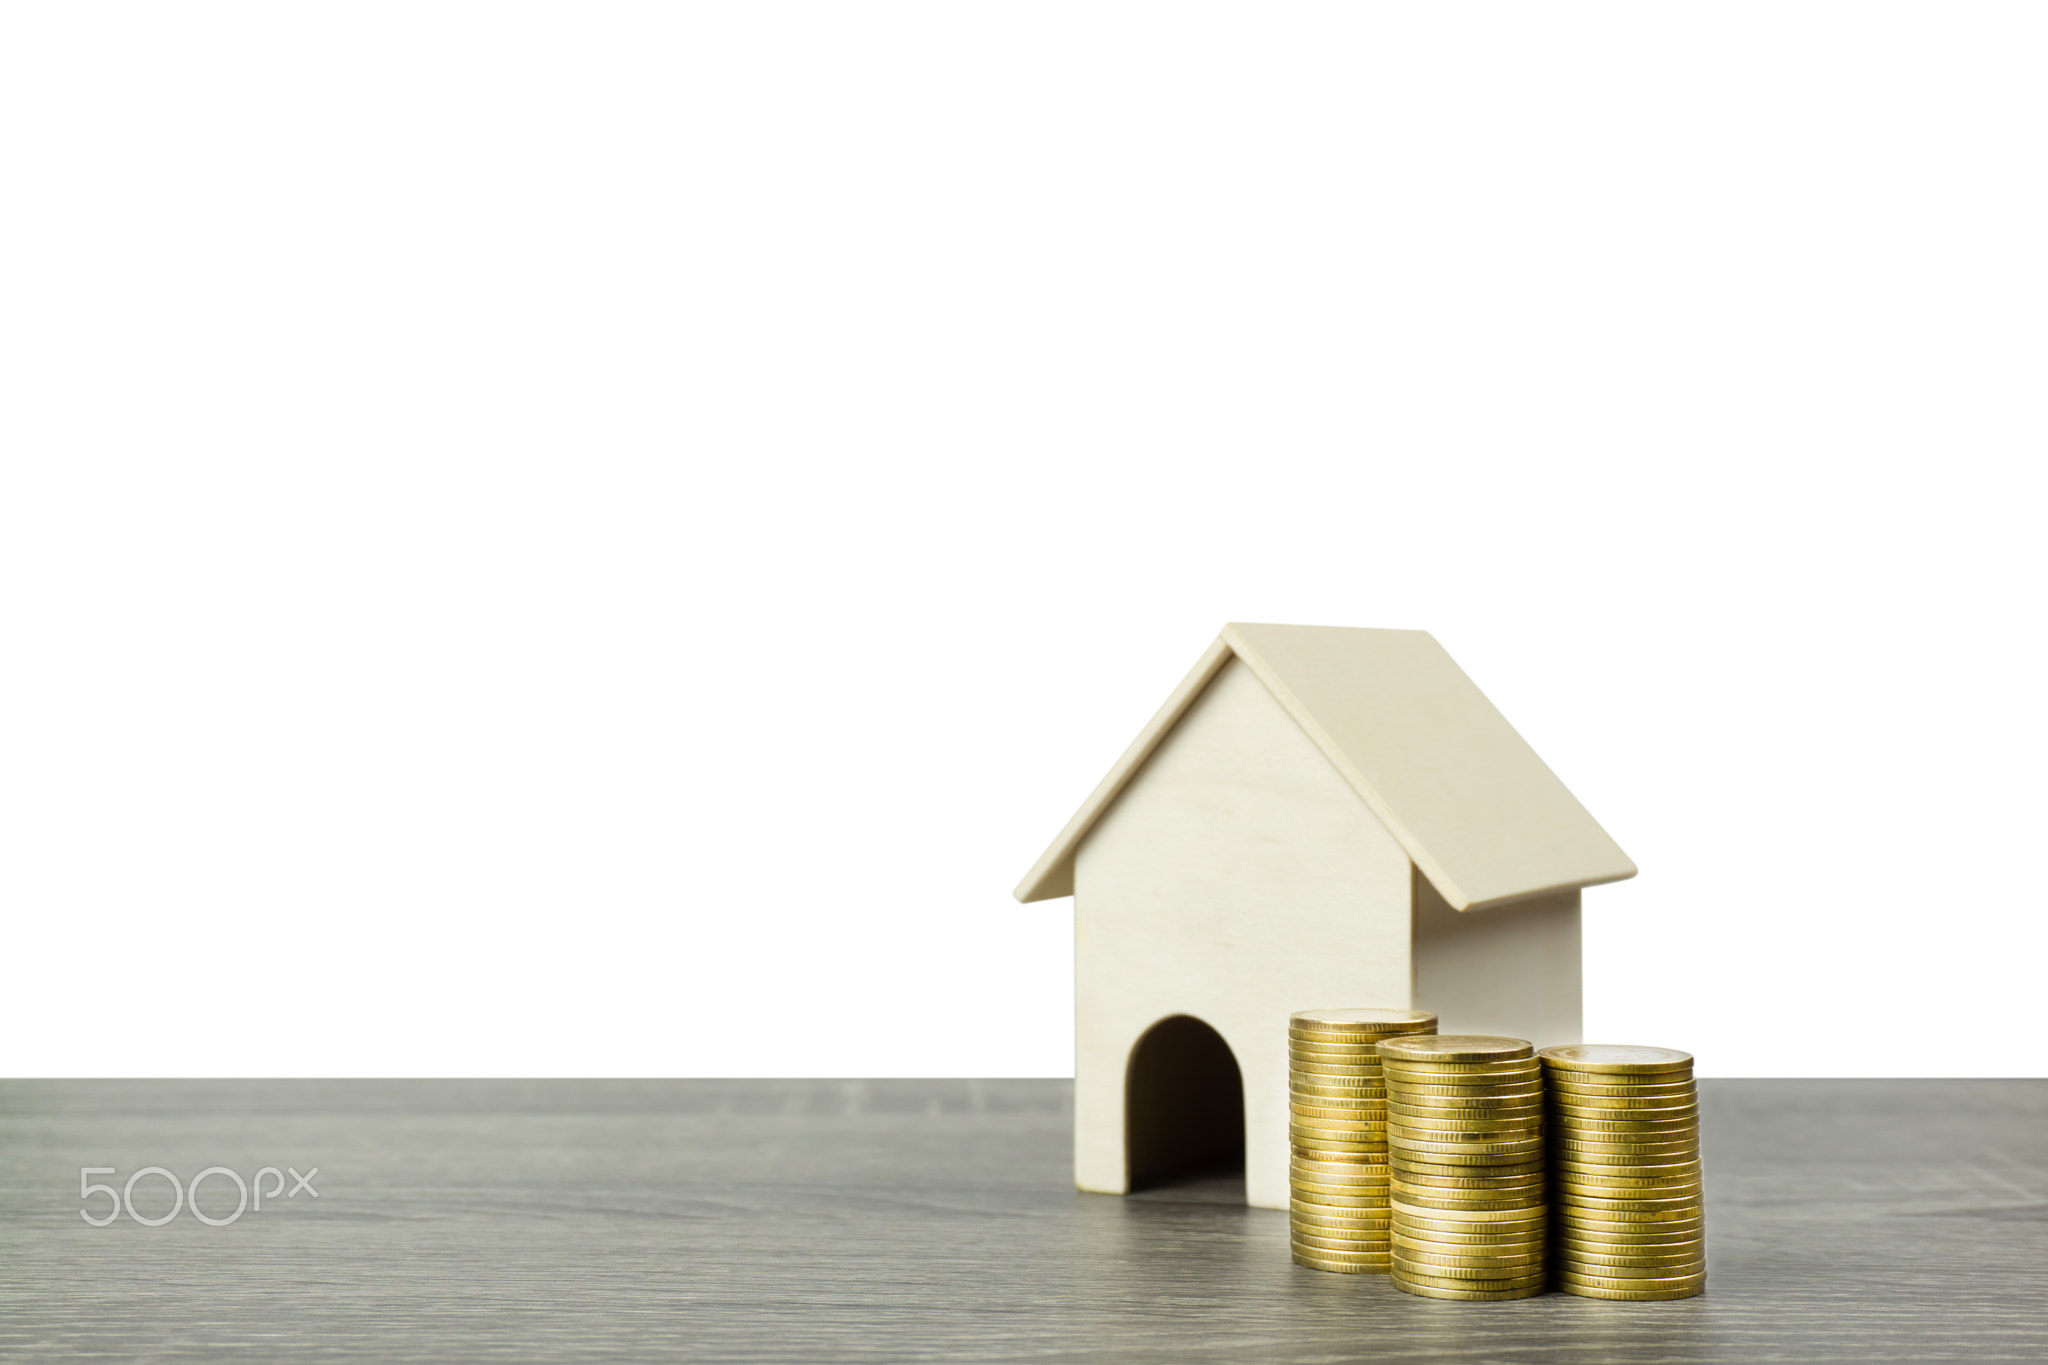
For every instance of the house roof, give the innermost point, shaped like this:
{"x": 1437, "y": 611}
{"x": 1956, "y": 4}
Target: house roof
{"x": 1477, "y": 811}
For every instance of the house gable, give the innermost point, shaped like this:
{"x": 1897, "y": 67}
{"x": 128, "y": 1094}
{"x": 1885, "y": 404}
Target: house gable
{"x": 1474, "y": 807}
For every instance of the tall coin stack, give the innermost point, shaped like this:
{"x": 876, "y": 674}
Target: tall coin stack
{"x": 1628, "y": 1218}
{"x": 1336, "y": 1121}
{"x": 1465, "y": 1148}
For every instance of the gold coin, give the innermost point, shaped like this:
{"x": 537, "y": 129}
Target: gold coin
{"x": 1488, "y": 1103}
{"x": 1339, "y": 1101}
{"x": 1437, "y": 1197}
{"x": 1581, "y": 1196}
{"x": 1660, "y": 1099}
{"x": 1324, "y": 1245}
{"x": 1356, "y": 1088}
{"x": 1367, "y": 1232}
{"x": 1348, "y": 1050}
{"x": 1434, "y": 1150}
{"x": 1409, "y": 1278}
{"x": 1340, "y": 1264}
{"x": 1574, "y": 1206}
{"x": 1492, "y": 1239}
{"x": 1533, "y": 1181}
{"x": 1597, "y": 1200}
{"x": 1634, "y": 1296}
{"x": 1450, "y": 1163}
{"x": 1337, "y": 1070}
{"x": 1609, "y": 1059}
{"x": 1455, "y": 1047}
{"x": 1330, "y": 1152}
{"x": 1521, "y": 1213}
{"x": 1602, "y": 1221}
{"x": 1441, "y": 1163}
{"x": 1629, "y": 1173}
{"x": 1352, "y": 1260}
{"x": 1647, "y": 1243}
{"x": 1365, "y": 1064}
{"x": 1589, "y": 1104}
{"x": 1432, "y": 1141}
{"x": 1688, "y": 1109}
{"x": 1312, "y": 1113}
{"x": 1627, "y": 1187}
{"x": 1618, "y": 1087}
{"x": 1623, "y": 1198}
{"x": 1448, "y": 1268}
{"x": 1467, "y": 1295}
{"x": 1375, "y": 1134}
{"x": 1346, "y": 1213}
{"x": 1365, "y": 1174}
{"x": 1464, "y": 1102}
{"x": 1595, "y": 1165}
{"x": 1345, "y": 1118}
{"x": 1633, "y": 1129}
{"x": 1352, "y": 1238}
{"x": 1337, "y": 1172}
{"x": 1338, "y": 1127}
{"x": 1403, "y": 1072}
{"x": 1372, "y": 1178}
{"x": 1630, "y": 1268}
{"x": 1323, "y": 1213}
{"x": 1479, "y": 1186}
{"x": 1686, "y": 1150}
{"x": 1519, "y": 1261}
{"x": 1513, "y": 1128}
{"x": 1475, "y": 1249}
{"x": 1338, "y": 1243}
{"x": 1619, "y": 1137}
{"x": 1375, "y": 1181}
{"x": 1568, "y": 1222}
{"x": 1303, "y": 1195}
{"x": 1324, "y": 1148}
{"x": 1314, "y": 1262}
{"x": 1575, "y": 1223}
{"x": 1464, "y": 1230}
{"x": 1325, "y": 1097}
{"x": 1578, "y": 1106}
{"x": 1632, "y": 1282}
{"x": 1598, "y": 1271}
{"x": 1680, "y": 1254}
{"x": 1415, "y": 1117}
{"x": 1478, "y": 1276}
{"x": 1374, "y": 1159}
{"x": 1408, "y": 1086}
{"x": 1361, "y": 1020}
{"x": 1461, "y": 1138}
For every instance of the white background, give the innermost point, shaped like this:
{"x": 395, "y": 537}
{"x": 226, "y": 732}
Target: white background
{"x": 605, "y": 539}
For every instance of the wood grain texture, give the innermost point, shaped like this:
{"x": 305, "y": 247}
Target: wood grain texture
{"x": 934, "y": 1220}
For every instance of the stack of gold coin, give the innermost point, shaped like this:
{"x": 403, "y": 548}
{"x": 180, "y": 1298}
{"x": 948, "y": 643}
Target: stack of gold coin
{"x": 1465, "y": 1154}
{"x": 1337, "y": 1116}
{"x": 1628, "y": 1217}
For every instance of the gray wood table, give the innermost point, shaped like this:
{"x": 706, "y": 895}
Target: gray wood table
{"x": 815, "y": 1221}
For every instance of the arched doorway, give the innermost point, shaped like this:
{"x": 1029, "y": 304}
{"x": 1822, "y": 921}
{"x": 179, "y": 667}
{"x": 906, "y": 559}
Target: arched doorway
{"x": 1183, "y": 1107}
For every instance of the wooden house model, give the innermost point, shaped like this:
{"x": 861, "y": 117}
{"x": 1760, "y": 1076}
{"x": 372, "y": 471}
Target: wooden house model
{"x": 1318, "y": 817}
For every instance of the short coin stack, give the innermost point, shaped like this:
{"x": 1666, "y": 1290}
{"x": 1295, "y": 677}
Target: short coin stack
{"x": 1336, "y": 1121}
{"x": 1628, "y": 1217}
{"x": 1465, "y": 1148}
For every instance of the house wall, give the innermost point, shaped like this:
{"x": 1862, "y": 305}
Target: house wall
{"x": 1511, "y": 970}
{"x": 1237, "y": 879}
